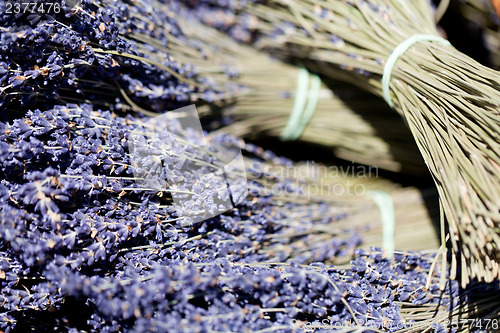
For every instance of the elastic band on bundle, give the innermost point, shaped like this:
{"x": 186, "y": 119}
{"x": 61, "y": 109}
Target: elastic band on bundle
{"x": 304, "y": 105}
{"x": 397, "y": 53}
{"x": 386, "y": 206}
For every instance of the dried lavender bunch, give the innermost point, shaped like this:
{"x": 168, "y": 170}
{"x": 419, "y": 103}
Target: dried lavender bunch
{"x": 147, "y": 290}
{"x": 73, "y": 217}
{"x": 448, "y": 100}
{"x": 236, "y": 74}
{"x": 71, "y": 165}
{"x": 88, "y": 154}
{"x": 365, "y": 130}
{"x": 125, "y": 57}
{"x": 80, "y": 55}
{"x": 80, "y": 234}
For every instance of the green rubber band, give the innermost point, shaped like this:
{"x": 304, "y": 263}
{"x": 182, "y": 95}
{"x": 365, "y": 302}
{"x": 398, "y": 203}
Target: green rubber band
{"x": 397, "y": 53}
{"x": 298, "y": 105}
{"x": 386, "y": 205}
{"x": 302, "y": 112}
{"x": 310, "y": 108}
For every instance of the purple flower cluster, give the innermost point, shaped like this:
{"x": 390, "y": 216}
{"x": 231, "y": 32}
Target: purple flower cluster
{"x": 228, "y": 17}
{"x": 70, "y": 200}
{"x": 77, "y": 233}
{"x": 90, "y": 54}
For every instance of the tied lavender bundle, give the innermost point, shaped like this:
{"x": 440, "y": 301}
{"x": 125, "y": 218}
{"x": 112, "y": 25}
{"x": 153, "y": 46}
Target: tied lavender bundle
{"x": 263, "y": 92}
{"x": 449, "y": 101}
{"x": 136, "y": 57}
{"x": 365, "y": 130}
